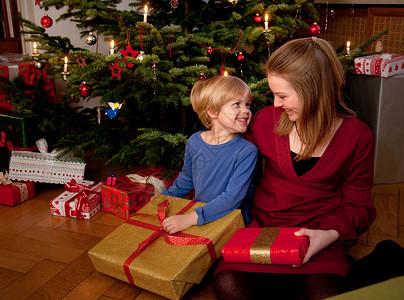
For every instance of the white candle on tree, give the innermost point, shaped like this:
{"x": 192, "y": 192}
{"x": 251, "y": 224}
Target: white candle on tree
{"x": 145, "y": 14}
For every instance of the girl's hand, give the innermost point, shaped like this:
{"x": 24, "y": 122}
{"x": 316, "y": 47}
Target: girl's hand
{"x": 319, "y": 240}
{"x": 178, "y": 223}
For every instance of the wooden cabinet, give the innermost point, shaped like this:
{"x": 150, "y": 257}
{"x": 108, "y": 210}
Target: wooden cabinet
{"x": 356, "y": 23}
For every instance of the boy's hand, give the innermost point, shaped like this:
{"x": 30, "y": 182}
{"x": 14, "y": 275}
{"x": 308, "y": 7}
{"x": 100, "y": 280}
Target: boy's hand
{"x": 178, "y": 223}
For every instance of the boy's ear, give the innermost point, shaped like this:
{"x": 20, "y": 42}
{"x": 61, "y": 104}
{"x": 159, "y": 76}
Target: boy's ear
{"x": 211, "y": 113}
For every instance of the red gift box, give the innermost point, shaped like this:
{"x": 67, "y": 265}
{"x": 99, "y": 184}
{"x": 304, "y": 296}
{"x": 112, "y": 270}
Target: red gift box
{"x": 384, "y": 65}
{"x": 81, "y": 200}
{"x": 269, "y": 245}
{"x": 31, "y": 76}
{"x": 17, "y": 192}
{"x": 133, "y": 191}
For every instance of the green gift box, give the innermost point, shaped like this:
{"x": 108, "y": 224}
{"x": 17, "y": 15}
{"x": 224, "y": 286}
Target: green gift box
{"x": 16, "y": 133}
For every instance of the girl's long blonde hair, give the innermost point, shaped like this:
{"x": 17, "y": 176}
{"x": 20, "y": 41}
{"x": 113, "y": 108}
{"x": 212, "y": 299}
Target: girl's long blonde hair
{"x": 311, "y": 66}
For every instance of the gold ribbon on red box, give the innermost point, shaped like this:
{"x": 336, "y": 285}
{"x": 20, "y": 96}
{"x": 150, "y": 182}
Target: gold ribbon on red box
{"x": 268, "y": 245}
{"x": 178, "y": 238}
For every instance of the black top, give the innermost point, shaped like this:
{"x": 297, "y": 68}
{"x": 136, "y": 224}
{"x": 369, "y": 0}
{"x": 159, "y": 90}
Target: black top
{"x": 303, "y": 166}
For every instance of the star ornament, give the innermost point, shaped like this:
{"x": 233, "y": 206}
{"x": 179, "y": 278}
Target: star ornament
{"x": 116, "y": 70}
{"x": 81, "y": 62}
{"x": 129, "y": 52}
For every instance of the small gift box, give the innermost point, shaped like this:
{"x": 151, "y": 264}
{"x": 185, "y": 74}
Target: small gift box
{"x": 133, "y": 191}
{"x": 111, "y": 179}
{"x": 81, "y": 200}
{"x": 384, "y": 65}
{"x": 12, "y": 193}
{"x": 141, "y": 253}
{"x": 45, "y": 167}
{"x": 269, "y": 245}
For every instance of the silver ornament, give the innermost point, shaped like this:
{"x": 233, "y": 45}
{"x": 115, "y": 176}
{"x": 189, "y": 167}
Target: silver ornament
{"x": 91, "y": 39}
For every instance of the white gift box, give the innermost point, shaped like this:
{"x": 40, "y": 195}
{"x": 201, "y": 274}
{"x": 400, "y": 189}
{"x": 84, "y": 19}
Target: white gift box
{"x": 47, "y": 168}
{"x": 384, "y": 65}
{"x": 67, "y": 203}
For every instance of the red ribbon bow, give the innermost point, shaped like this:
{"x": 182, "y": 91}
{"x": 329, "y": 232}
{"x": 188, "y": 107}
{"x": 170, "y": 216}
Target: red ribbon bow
{"x": 4, "y": 143}
{"x": 178, "y": 238}
{"x": 9, "y": 145}
{"x": 82, "y": 197}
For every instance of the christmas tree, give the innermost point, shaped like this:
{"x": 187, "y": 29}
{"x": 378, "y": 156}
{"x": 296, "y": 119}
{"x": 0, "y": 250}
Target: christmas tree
{"x": 159, "y": 49}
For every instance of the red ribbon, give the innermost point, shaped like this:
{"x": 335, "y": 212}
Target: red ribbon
{"x": 178, "y": 238}
{"x": 9, "y": 145}
{"x": 82, "y": 196}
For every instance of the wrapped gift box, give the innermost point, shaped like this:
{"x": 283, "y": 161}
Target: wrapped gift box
{"x": 269, "y": 245}
{"x": 80, "y": 200}
{"x": 130, "y": 193}
{"x": 9, "y": 70}
{"x": 12, "y": 193}
{"x": 384, "y": 65}
{"x": 45, "y": 167}
{"x": 140, "y": 253}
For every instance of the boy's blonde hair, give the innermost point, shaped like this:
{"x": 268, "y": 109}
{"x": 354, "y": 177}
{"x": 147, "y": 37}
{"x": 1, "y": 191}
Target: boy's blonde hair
{"x": 212, "y": 94}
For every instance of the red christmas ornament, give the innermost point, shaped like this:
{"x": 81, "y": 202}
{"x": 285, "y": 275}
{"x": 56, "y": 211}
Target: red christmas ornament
{"x": 257, "y": 18}
{"x": 174, "y": 3}
{"x": 201, "y": 77}
{"x": 315, "y": 29}
{"x": 240, "y": 56}
{"x": 81, "y": 61}
{"x": 210, "y": 50}
{"x": 46, "y": 21}
{"x": 129, "y": 52}
{"x": 116, "y": 70}
{"x": 84, "y": 89}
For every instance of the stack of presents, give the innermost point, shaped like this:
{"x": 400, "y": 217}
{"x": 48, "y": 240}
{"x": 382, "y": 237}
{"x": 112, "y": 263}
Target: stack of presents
{"x": 139, "y": 251}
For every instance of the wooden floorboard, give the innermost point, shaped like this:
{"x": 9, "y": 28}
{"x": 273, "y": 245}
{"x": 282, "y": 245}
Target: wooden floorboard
{"x": 45, "y": 257}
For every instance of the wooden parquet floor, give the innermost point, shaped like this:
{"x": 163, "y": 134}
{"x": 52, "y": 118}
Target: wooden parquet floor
{"x": 45, "y": 257}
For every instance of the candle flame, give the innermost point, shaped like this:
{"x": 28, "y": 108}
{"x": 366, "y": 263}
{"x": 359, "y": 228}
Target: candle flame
{"x": 112, "y": 44}
{"x": 225, "y": 73}
{"x": 348, "y": 44}
{"x": 145, "y": 9}
{"x": 66, "y": 60}
{"x": 34, "y": 45}
{"x": 266, "y": 17}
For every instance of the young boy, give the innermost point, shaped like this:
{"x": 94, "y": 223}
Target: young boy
{"x": 218, "y": 162}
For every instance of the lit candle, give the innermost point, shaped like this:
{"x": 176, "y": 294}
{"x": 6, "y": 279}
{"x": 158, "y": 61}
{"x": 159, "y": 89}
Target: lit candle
{"x": 145, "y": 14}
{"x": 225, "y": 73}
{"x": 34, "y": 46}
{"x": 348, "y": 50}
{"x": 112, "y": 47}
{"x": 65, "y": 66}
{"x": 266, "y": 22}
